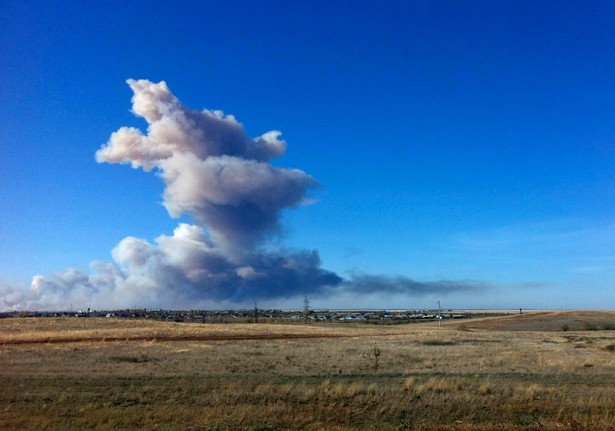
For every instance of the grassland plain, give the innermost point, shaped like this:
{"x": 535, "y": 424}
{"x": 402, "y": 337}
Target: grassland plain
{"x": 508, "y": 373}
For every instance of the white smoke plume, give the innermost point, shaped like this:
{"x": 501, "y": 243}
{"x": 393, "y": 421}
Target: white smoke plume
{"x": 222, "y": 178}
{"x": 211, "y": 169}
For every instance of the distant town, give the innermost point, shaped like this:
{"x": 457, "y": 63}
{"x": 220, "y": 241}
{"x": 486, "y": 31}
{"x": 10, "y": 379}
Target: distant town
{"x": 256, "y": 315}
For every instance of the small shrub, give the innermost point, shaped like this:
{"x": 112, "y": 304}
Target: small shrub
{"x": 409, "y": 384}
{"x": 486, "y": 388}
{"x": 531, "y": 392}
{"x": 610, "y": 347}
{"x": 437, "y": 384}
{"x": 354, "y": 389}
{"x": 565, "y": 327}
{"x": 376, "y": 352}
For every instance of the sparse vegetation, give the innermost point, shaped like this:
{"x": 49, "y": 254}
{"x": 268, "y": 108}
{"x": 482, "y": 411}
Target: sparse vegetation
{"x": 438, "y": 343}
{"x": 137, "y": 359}
{"x": 106, "y": 374}
{"x": 609, "y": 326}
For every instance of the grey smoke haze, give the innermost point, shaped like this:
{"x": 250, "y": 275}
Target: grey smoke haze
{"x": 369, "y": 283}
{"x": 222, "y": 178}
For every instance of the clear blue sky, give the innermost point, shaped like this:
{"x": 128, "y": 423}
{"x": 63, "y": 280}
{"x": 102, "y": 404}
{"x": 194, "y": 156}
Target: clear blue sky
{"x": 463, "y": 142}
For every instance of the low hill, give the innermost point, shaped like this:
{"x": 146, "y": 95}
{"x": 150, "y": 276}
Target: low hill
{"x": 577, "y": 320}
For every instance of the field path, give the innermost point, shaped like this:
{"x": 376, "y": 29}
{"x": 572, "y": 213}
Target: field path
{"x": 212, "y": 337}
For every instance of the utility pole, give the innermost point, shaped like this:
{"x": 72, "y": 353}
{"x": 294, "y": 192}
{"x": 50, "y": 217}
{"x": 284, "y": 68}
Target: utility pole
{"x": 439, "y": 315}
{"x": 255, "y": 312}
{"x": 306, "y": 307}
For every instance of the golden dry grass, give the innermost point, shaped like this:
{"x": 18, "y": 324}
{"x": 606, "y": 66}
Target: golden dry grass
{"x": 109, "y": 374}
{"x": 52, "y": 330}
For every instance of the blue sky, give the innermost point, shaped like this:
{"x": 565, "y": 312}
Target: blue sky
{"x": 464, "y": 142}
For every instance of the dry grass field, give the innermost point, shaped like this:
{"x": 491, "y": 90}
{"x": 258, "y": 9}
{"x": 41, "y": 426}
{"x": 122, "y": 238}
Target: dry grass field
{"x": 507, "y": 373}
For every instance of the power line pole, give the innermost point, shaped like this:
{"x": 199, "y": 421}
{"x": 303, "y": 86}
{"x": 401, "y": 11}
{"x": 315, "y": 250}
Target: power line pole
{"x": 306, "y": 307}
{"x": 439, "y": 315}
{"x": 255, "y": 312}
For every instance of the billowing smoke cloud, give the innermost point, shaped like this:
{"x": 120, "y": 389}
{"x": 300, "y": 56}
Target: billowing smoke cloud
{"x": 222, "y": 178}
{"x": 211, "y": 169}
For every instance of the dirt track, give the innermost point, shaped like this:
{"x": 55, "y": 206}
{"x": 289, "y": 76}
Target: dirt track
{"x": 212, "y": 337}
